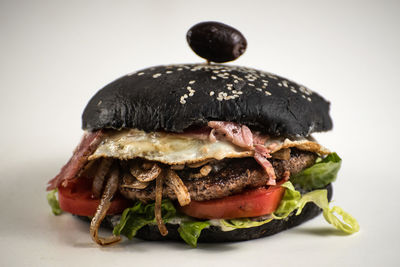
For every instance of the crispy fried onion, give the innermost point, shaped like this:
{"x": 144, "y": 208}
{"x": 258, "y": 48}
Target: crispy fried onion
{"x": 199, "y": 164}
{"x": 99, "y": 176}
{"x": 105, "y": 203}
{"x": 147, "y": 175}
{"x": 128, "y": 181}
{"x": 178, "y": 167}
{"x": 283, "y": 154}
{"x": 157, "y": 206}
{"x": 181, "y": 191}
{"x": 204, "y": 171}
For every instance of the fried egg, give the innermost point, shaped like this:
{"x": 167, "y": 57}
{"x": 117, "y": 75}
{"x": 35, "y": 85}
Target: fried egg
{"x": 171, "y": 149}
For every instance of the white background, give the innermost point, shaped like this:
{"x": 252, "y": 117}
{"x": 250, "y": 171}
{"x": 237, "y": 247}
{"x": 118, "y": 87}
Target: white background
{"x": 54, "y": 55}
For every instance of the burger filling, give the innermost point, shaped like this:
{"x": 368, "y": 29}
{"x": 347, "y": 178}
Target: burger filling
{"x": 222, "y": 174}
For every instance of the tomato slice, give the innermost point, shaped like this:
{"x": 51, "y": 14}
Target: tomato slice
{"x": 251, "y": 203}
{"x": 77, "y": 199}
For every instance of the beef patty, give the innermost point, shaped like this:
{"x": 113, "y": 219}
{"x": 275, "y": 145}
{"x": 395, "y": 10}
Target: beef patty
{"x": 230, "y": 177}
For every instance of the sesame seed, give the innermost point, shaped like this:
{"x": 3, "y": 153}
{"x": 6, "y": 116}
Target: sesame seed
{"x": 309, "y": 99}
{"x": 259, "y": 89}
{"x": 293, "y": 90}
{"x": 140, "y": 73}
{"x": 272, "y": 76}
{"x": 212, "y": 93}
{"x": 305, "y": 90}
{"x": 213, "y": 77}
{"x": 192, "y": 82}
{"x": 156, "y": 75}
{"x": 235, "y": 81}
{"x": 268, "y": 93}
{"x": 251, "y": 84}
{"x": 168, "y": 72}
{"x": 191, "y": 91}
{"x": 285, "y": 83}
{"x": 179, "y": 69}
{"x": 279, "y": 84}
{"x": 303, "y": 96}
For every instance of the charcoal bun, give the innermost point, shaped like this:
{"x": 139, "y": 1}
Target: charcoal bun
{"x": 173, "y": 98}
{"x": 214, "y": 234}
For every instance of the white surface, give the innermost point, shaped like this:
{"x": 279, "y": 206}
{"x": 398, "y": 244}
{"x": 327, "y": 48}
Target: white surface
{"x": 55, "y": 55}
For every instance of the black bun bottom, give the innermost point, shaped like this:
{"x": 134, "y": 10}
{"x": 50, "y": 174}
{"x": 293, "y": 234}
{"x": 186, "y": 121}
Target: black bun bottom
{"x": 213, "y": 234}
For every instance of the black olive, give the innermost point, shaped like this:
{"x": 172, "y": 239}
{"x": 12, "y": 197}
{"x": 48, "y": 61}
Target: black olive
{"x": 216, "y": 42}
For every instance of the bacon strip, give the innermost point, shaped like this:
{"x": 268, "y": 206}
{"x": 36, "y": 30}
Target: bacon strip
{"x": 242, "y": 136}
{"x": 201, "y": 133}
{"x": 261, "y": 155}
{"x": 239, "y": 135}
{"x": 86, "y": 147}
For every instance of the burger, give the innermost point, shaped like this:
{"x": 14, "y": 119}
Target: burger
{"x": 202, "y": 153}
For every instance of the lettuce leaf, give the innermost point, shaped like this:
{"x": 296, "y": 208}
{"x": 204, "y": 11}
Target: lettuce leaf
{"x": 293, "y": 200}
{"x": 346, "y": 223}
{"x": 190, "y": 231}
{"x": 322, "y": 173}
{"x": 53, "y": 202}
{"x": 336, "y": 216}
{"x": 132, "y": 219}
{"x": 289, "y": 201}
{"x": 233, "y": 224}
{"x": 140, "y": 215}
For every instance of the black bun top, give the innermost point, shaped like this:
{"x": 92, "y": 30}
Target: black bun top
{"x": 175, "y": 97}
